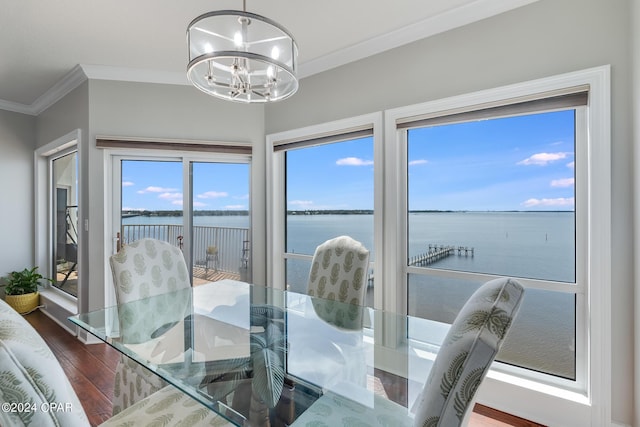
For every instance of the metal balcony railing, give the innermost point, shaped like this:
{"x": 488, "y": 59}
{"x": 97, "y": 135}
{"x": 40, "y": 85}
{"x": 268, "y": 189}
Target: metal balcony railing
{"x": 216, "y": 248}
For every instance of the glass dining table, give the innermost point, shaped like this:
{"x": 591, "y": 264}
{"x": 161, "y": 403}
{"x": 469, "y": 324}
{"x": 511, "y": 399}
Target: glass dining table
{"x": 261, "y": 356}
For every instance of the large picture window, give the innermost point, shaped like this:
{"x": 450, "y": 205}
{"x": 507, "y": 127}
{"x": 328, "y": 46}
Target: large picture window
{"x": 513, "y": 181}
{"x": 497, "y": 196}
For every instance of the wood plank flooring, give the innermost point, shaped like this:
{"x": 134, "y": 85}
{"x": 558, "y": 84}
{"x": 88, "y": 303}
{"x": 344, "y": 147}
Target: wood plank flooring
{"x": 91, "y": 370}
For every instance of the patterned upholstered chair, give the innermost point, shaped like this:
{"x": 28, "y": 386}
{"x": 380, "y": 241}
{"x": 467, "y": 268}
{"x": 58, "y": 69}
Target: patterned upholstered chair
{"x": 339, "y": 273}
{"x": 337, "y": 286}
{"x": 31, "y": 376}
{"x": 142, "y": 269}
{"x": 462, "y": 363}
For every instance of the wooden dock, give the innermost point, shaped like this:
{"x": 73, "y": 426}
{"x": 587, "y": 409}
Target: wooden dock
{"x": 438, "y": 252}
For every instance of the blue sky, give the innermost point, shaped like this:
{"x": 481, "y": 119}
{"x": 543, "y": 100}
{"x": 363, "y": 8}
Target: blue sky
{"x": 157, "y": 185}
{"x": 517, "y": 163}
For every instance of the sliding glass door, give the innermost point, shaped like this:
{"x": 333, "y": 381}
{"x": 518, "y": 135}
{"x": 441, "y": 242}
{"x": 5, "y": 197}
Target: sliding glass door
{"x": 198, "y": 205}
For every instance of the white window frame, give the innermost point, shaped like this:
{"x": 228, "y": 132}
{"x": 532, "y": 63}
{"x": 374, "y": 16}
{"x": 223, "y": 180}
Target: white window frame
{"x": 276, "y": 203}
{"x": 588, "y": 400}
{"x": 115, "y": 157}
{"x": 43, "y": 208}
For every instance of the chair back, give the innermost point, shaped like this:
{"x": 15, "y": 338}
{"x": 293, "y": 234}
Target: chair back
{"x": 467, "y": 352}
{"x": 339, "y": 273}
{"x": 149, "y": 268}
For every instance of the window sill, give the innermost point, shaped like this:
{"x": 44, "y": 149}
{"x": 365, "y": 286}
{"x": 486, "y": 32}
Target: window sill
{"x": 61, "y": 299}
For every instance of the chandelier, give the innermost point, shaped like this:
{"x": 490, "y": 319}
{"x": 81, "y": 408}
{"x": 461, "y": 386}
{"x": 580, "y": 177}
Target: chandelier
{"x": 240, "y": 56}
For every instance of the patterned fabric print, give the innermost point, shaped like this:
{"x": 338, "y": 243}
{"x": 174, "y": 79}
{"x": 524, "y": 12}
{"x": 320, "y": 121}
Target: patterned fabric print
{"x": 149, "y": 261}
{"x": 144, "y": 273}
{"x": 467, "y": 352}
{"x": 29, "y": 372}
{"x": 168, "y": 407}
{"x": 133, "y": 383}
{"x": 338, "y": 273}
{"x": 460, "y": 367}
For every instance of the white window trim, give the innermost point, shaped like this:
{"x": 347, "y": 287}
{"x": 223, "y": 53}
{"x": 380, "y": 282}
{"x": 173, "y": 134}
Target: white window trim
{"x": 113, "y": 157}
{"x": 43, "y": 205}
{"x": 276, "y": 203}
{"x": 593, "y": 408}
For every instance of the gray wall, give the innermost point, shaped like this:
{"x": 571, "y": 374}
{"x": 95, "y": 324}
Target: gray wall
{"x": 17, "y": 142}
{"x": 545, "y": 38}
{"x": 166, "y": 111}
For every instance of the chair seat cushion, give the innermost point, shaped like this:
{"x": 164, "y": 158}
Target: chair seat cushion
{"x": 168, "y": 407}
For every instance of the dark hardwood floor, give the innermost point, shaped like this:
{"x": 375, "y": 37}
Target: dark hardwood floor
{"x": 91, "y": 370}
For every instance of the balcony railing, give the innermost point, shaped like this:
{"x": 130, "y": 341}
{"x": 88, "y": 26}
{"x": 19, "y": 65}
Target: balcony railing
{"x": 222, "y": 249}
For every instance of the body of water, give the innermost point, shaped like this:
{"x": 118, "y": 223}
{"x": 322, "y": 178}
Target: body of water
{"x": 539, "y": 245}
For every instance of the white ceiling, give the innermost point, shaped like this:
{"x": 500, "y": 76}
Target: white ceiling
{"x": 42, "y": 42}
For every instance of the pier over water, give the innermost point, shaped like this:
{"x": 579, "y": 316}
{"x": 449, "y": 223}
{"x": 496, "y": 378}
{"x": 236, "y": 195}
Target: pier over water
{"x": 438, "y": 252}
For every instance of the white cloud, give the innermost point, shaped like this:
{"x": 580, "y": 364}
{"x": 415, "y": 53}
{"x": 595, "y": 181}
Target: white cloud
{"x": 558, "y": 202}
{"x": 197, "y": 204}
{"x": 126, "y": 208}
{"x": 244, "y": 197}
{"x": 212, "y": 194}
{"x": 565, "y": 182}
{"x": 302, "y": 203}
{"x": 177, "y": 202}
{"x": 353, "y": 161}
{"x": 152, "y": 189}
{"x": 235, "y": 207}
{"x": 418, "y": 162}
{"x": 571, "y": 165}
{"x": 542, "y": 159}
{"x": 170, "y": 196}
{"x": 127, "y": 184}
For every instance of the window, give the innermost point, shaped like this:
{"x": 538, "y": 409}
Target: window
{"x": 329, "y": 193}
{"x": 199, "y": 205}
{"x": 324, "y": 187}
{"x": 513, "y": 181}
{"x": 497, "y": 196}
{"x": 64, "y": 214}
{"x": 60, "y": 222}
{"x": 192, "y": 194}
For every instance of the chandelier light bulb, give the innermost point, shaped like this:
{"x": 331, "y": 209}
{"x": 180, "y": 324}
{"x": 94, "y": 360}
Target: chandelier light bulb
{"x": 237, "y": 39}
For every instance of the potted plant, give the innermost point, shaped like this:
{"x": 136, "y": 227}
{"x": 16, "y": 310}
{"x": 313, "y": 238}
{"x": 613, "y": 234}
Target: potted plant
{"x": 22, "y": 289}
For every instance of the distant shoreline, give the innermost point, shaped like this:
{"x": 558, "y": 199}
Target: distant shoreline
{"x": 177, "y": 213}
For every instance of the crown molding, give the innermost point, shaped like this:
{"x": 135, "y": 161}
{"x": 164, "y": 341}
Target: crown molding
{"x": 139, "y": 75}
{"x": 445, "y": 21}
{"x": 69, "y": 82}
{"x": 16, "y": 107}
{"x": 440, "y": 23}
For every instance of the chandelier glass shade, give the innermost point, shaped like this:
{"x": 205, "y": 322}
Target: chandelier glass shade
{"x": 241, "y": 56}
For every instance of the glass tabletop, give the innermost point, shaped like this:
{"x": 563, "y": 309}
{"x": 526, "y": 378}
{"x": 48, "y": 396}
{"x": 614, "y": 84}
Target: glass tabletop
{"x": 252, "y": 353}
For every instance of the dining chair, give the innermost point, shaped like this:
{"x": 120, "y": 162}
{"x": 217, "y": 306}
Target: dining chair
{"x": 338, "y": 273}
{"x": 145, "y": 268}
{"x": 462, "y": 363}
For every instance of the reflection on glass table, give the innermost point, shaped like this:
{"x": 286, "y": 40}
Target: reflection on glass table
{"x": 261, "y": 356}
